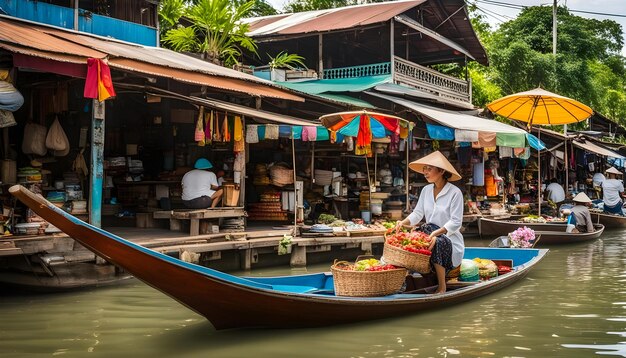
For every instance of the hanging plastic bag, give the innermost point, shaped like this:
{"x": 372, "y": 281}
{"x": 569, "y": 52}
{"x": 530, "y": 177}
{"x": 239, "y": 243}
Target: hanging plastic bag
{"x": 6, "y": 119}
{"x": 34, "y": 139}
{"x": 56, "y": 140}
{"x": 199, "y": 134}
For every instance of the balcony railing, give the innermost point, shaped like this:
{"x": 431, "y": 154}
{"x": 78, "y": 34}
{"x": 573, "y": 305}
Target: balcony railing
{"x": 431, "y": 81}
{"x": 374, "y": 69}
{"x": 87, "y": 22}
{"x": 410, "y": 74}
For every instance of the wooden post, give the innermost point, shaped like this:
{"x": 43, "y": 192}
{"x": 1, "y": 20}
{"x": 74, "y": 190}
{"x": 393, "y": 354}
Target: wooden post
{"x": 406, "y": 168}
{"x": 295, "y": 187}
{"x": 320, "y": 56}
{"x": 392, "y": 49}
{"x": 97, "y": 163}
{"x": 76, "y": 14}
{"x": 298, "y": 256}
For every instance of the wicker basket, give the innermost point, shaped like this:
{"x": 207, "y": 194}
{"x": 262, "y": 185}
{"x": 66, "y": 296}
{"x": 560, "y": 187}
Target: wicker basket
{"x": 366, "y": 283}
{"x": 281, "y": 175}
{"x": 410, "y": 260}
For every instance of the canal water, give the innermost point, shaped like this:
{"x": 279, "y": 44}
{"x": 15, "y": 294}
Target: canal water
{"x": 572, "y": 305}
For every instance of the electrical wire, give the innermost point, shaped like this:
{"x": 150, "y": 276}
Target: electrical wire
{"x": 519, "y": 7}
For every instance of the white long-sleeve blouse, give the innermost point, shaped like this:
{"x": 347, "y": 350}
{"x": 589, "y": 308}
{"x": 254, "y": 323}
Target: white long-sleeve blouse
{"x": 445, "y": 211}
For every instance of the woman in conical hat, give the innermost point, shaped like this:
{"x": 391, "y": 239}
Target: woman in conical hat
{"x": 440, "y": 204}
{"x": 580, "y": 213}
{"x": 613, "y": 192}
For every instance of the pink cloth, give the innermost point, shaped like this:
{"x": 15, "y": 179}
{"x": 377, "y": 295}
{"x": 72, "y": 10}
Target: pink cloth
{"x": 309, "y": 134}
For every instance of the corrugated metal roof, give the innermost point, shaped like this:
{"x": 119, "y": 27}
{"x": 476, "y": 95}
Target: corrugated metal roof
{"x": 594, "y": 148}
{"x": 329, "y": 20}
{"x": 61, "y": 45}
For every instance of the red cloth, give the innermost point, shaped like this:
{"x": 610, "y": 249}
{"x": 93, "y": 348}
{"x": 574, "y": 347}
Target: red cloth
{"x": 98, "y": 83}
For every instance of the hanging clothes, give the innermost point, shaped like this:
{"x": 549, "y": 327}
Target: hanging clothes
{"x": 322, "y": 134}
{"x": 462, "y": 135}
{"x": 252, "y": 133}
{"x": 309, "y": 133}
{"x": 261, "y": 130}
{"x": 199, "y": 133}
{"x": 217, "y": 136}
{"x": 296, "y": 132}
{"x": 208, "y": 130}
{"x": 284, "y": 131}
{"x": 505, "y": 152}
{"x": 225, "y": 129}
{"x": 238, "y": 129}
{"x": 487, "y": 139}
{"x": 271, "y": 131}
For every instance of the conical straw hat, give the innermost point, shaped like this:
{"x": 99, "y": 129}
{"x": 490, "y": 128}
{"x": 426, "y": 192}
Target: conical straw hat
{"x": 435, "y": 159}
{"x": 582, "y": 198}
{"x": 612, "y": 170}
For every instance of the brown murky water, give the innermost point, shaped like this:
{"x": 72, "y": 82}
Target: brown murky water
{"x": 572, "y": 305}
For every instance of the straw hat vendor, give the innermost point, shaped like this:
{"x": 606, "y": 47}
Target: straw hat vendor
{"x": 200, "y": 186}
{"x": 613, "y": 192}
{"x": 580, "y": 212}
{"x": 441, "y": 205}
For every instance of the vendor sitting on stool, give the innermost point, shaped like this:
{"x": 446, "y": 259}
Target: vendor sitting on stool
{"x": 580, "y": 212}
{"x": 200, "y": 187}
{"x": 613, "y": 192}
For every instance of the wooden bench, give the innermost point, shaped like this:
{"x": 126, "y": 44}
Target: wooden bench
{"x": 196, "y": 216}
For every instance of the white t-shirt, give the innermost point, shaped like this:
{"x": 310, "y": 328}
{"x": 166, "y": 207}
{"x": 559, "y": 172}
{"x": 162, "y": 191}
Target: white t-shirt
{"x": 610, "y": 191}
{"x": 598, "y": 179}
{"x": 197, "y": 183}
{"x": 446, "y": 211}
{"x": 557, "y": 194}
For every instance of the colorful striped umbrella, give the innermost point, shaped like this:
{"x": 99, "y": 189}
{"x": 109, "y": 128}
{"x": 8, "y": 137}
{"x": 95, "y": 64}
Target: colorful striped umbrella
{"x": 363, "y": 125}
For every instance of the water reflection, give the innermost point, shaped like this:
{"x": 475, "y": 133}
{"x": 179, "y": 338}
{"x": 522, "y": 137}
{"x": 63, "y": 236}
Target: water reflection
{"x": 572, "y": 305}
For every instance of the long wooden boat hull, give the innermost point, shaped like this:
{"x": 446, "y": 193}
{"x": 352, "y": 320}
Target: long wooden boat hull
{"x": 609, "y": 221}
{"x": 559, "y": 238}
{"x": 291, "y": 301}
{"x": 490, "y": 228}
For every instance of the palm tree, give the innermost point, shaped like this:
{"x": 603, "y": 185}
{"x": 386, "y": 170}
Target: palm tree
{"x": 216, "y": 31}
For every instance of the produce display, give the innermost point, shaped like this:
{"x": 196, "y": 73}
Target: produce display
{"x": 533, "y": 219}
{"x": 415, "y": 241}
{"x": 486, "y": 268}
{"x": 469, "y": 271}
{"x": 368, "y": 265}
{"x": 503, "y": 269}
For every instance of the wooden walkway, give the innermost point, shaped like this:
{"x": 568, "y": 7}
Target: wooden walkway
{"x": 247, "y": 244}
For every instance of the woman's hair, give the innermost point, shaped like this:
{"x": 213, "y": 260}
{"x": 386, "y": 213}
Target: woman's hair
{"x": 446, "y": 174}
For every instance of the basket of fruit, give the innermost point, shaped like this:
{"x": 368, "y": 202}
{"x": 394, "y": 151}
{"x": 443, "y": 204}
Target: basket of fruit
{"x": 366, "y": 278}
{"x": 409, "y": 250}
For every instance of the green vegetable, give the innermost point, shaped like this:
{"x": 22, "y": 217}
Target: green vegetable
{"x": 326, "y": 219}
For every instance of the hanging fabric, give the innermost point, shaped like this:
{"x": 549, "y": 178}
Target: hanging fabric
{"x": 208, "y": 127}
{"x": 284, "y": 131}
{"x": 439, "y": 132}
{"x": 462, "y": 135}
{"x": 309, "y": 133}
{"x": 322, "y": 134}
{"x": 486, "y": 139}
{"x": 217, "y": 135}
{"x": 56, "y": 140}
{"x": 226, "y": 132}
{"x": 238, "y": 129}
{"x": 199, "y": 133}
{"x": 98, "y": 83}
{"x": 296, "y": 132}
{"x": 252, "y": 133}
{"x": 271, "y": 131}
{"x": 261, "y": 130}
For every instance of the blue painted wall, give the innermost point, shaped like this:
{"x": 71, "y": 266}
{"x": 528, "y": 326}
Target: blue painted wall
{"x": 87, "y": 22}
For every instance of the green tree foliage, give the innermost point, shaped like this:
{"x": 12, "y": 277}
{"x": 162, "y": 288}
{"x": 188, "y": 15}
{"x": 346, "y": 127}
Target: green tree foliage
{"x": 588, "y": 65}
{"x": 308, "y": 5}
{"x": 216, "y": 31}
{"x": 260, "y": 8}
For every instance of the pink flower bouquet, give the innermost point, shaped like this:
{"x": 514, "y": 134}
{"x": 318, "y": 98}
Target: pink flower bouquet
{"x": 522, "y": 237}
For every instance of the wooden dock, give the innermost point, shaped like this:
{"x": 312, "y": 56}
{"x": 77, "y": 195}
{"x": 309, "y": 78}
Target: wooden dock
{"x": 50, "y": 261}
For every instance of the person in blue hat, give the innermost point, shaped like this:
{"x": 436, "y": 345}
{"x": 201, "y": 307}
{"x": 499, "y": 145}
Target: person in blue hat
{"x": 200, "y": 186}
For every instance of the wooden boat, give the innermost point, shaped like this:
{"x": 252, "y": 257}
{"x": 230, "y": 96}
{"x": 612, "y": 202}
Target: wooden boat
{"x": 609, "y": 221}
{"x": 488, "y": 228}
{"x": 555, "y": 237}
{"x": 558, "y": 238}
{"x": 229, "y": 301}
